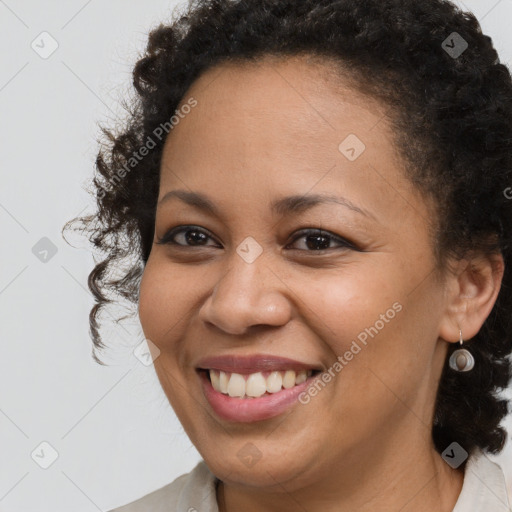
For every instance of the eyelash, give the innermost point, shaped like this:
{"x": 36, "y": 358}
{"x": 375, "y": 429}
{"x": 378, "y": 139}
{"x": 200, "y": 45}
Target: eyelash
{"x": 168, "y": 238}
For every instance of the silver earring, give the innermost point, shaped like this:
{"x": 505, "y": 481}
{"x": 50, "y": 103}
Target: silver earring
{"x": 461, "y": 359}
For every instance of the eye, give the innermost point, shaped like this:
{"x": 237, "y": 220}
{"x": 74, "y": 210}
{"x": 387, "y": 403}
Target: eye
{"x": 318, "y": 240}
{"x": 187, "y": 236}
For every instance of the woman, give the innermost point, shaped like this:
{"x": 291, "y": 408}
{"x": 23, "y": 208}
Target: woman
{"x": 315, "y": 193}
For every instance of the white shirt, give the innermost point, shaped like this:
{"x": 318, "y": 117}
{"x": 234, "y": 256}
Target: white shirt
{"x": 484, "y": 490}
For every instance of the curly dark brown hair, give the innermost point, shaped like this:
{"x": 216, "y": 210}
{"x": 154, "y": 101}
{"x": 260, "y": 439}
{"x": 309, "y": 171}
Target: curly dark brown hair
{"x": 452, "y": 120}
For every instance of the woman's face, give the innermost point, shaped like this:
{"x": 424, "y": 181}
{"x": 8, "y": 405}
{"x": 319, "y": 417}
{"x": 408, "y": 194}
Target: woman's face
{"x": 268, "y": 152}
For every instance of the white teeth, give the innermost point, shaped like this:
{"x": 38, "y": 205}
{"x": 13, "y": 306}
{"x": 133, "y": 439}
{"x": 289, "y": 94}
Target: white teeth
{"x": 223, "y": 382}
{"x": 289, "y": 379}
{"x": 274, "y": 382}
{"x": 301, "y": 377}
{"x": 255, "y": 384}
{"x": 215, "y": 378}
{"x": 236, "y": 385}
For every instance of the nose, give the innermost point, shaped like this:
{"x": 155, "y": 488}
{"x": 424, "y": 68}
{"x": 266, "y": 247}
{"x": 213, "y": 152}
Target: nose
{"x": 247, "y": 295}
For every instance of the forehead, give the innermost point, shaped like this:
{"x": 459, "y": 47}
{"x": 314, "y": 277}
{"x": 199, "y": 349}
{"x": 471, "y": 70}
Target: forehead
{"x": 304, "y": 93}
{"x": 284, "y": 124}
{"x": 292, "y": 107}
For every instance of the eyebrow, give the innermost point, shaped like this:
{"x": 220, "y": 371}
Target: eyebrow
{"x": 283, "y": 206}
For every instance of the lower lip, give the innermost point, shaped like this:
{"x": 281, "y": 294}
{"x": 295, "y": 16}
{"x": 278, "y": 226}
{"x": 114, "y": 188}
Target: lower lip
{"x": 246, "y": 410}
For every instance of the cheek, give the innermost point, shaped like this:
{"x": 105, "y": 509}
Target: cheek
{"x": 169, "y": 296}
{"x": 161, "y": 299}
{"x": 369, "y": 326}
{"x": 345, "y": 306}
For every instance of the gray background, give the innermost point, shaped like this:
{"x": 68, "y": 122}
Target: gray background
{"x": 111, "y": 426}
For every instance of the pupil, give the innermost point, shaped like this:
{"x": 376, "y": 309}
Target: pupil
{"x": 317, "y": 240}
{"x": 195, "y": 237}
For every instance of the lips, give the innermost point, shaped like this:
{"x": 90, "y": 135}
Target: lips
{"x": 254, "y": 364}
{"x": 244, "y": 399}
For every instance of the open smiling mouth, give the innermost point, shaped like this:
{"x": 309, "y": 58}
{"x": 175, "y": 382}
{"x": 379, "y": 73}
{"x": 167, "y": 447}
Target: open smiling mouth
{"x": 257, "y": 384}
{"x": 248, "y": 397}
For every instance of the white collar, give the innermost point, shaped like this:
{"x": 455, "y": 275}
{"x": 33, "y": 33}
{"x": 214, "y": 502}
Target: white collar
{"x": 484, "y": 488}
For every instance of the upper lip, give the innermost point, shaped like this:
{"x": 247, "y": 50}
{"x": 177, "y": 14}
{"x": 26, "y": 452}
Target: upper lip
{"x": 252, "y": 364}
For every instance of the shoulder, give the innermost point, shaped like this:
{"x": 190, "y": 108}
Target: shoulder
{"x": 484, "y": 487}
{"x": 191, "y": 492}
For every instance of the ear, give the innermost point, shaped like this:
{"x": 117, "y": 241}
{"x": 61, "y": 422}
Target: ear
{"x": 471, "y": 291}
